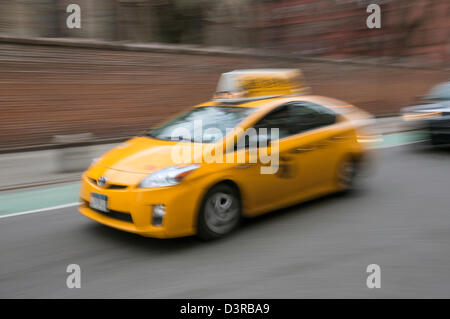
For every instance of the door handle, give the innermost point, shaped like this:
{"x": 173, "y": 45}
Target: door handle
{"x": 243, "y": 166}
{"x": 322, "y": 144}
{"x": 337, "y": 138}
{"x": 302, "y": 149}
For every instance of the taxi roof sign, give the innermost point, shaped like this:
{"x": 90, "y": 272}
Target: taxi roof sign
{"x": 260, "y": 83}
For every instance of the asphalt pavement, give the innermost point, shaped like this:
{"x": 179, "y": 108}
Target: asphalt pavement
{"x": 400, "y": 220}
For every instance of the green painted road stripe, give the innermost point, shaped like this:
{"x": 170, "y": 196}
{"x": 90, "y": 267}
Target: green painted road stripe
{"x": 63, "y": 194}
{"x": 28, "y": 200}
{"x": 397, "y": 139}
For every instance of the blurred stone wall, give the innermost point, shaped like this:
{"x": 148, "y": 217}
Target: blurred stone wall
{"x": 100, "y": 19}
{"x": 135, "y": 21}
{"x": 227, "y": 23}
{"x": 28, "y": 17}
{"x": 413, "y": 30}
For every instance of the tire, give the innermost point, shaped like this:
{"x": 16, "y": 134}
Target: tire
{"x": 346, "y": 174}
{"x": 220, "y": 212}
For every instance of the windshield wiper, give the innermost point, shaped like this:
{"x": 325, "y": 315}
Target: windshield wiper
{"x": 176, "y": 138}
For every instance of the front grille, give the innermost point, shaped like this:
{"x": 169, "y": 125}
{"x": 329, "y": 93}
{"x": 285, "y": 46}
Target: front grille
{"x": 116, "y": 186}
{"x": 126, "y": 217}
{"x": 108, "y": 186}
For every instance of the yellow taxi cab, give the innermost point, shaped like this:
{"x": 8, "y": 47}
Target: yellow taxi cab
{"x": 262, "y": 143}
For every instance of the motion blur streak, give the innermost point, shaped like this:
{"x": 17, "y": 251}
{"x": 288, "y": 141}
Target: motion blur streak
{"x": 68, "y": 95}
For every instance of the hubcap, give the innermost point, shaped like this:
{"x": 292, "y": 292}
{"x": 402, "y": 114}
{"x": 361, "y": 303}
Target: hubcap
{"x": 221, "y": 212}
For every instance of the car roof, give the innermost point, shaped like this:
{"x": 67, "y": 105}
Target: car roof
{"x": 270, "y": 101}
{"x": 439, "y": 90}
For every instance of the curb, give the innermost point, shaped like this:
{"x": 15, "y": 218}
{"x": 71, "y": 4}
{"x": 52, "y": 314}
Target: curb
{"x": 52, "y": 146}
{"x": 38, "y": 184}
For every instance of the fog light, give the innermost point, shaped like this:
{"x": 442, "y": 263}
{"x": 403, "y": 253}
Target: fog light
{"x": 157, "y": 214}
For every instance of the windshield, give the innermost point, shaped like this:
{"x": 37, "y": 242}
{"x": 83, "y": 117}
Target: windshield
{"x": 440, "y": 92}
{"x": 202, "y": 125}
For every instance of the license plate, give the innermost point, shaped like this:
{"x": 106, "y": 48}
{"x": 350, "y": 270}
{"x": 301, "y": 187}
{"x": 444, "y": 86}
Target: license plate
{"x": 99, "y": 202}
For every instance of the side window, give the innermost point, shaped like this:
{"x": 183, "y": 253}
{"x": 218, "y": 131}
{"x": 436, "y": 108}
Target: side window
{"x": 280, "y": 118}
{"x": 294, "y": 118}
{"x": 308, "y": 116}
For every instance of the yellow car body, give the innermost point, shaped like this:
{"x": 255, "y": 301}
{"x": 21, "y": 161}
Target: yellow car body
{"x": 309, "y": 163}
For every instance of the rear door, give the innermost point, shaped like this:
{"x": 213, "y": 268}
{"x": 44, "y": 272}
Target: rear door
{"x": 320, "y": 136}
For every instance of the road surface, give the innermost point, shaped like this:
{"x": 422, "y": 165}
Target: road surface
{"x": 400, "y": 221}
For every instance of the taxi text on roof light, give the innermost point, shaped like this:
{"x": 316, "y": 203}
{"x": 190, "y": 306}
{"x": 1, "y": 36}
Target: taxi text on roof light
{"x": 259, "y": 83}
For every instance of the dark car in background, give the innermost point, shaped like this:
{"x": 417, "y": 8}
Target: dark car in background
{"x": 432, "y": 115}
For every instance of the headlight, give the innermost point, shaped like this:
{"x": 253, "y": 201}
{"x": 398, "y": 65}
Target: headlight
{"x": 167, "y": 176}
{"x": 420, "y": 116}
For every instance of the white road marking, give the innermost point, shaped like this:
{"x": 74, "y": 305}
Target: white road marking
{"x": 40, "y": 210}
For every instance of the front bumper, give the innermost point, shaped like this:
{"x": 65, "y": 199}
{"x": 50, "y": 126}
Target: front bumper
{"x": 131, "y": 208}
{"x": 439, "y": 130}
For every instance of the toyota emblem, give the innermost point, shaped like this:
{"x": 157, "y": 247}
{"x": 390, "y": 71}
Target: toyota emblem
{"x": 101, "y": 181}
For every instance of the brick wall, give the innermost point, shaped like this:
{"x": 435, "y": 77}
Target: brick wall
{"x": 46, "y": 91}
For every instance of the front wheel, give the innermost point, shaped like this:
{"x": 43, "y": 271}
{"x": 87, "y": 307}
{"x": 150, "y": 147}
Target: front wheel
{"x": 220, "y": 212}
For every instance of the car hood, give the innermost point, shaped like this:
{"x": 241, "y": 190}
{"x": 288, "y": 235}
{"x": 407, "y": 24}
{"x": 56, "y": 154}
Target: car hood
{"x": 442, "y": 106}
{"x": 140, "y": 155}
